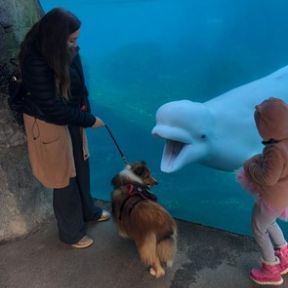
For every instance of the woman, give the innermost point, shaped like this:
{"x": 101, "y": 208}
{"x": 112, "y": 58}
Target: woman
{"x": 56, "y": 112}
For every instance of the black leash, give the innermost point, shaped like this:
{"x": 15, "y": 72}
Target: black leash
{"x": 116, "y": 144}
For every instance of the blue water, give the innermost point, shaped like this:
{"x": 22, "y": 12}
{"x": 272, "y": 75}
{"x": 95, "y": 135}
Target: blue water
{"x": 139, "y": 55}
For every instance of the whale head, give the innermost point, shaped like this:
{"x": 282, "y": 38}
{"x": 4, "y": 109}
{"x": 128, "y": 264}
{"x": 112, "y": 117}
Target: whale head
{"x": 186, "y": 127}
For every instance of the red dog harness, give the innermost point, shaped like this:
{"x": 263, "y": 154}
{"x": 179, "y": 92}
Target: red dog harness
{"x": 136, "y": 190}
{"x": 140, "y": 190}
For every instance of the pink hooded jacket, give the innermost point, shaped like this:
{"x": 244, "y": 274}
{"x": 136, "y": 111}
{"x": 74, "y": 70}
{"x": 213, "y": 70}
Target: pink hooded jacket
{"x": 269, "y": 171}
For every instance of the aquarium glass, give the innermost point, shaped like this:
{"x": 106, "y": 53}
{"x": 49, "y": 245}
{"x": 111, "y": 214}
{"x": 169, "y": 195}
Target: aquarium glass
{"x": 138, "y": 55}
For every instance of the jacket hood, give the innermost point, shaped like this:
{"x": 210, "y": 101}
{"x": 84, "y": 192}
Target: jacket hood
{"x": 271, "y": 117}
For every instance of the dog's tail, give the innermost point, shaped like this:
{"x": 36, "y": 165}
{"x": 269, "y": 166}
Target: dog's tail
{"x": 166, "y": 248}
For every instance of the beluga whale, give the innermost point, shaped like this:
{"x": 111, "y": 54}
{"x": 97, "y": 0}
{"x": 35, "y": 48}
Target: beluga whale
{"x": 220, "y": 133}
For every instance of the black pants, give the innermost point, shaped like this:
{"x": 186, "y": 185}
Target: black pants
{"x": 74, "y": 205}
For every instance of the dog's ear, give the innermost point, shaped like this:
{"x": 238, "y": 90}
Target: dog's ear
{"x": 140, "y": 170}
{"x": 116, "y": 182}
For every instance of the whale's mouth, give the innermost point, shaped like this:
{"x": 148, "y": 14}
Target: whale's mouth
{"x": 172, "y": 150}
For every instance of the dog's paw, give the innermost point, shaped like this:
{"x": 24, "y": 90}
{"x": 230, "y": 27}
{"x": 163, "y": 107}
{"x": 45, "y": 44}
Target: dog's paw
{"x": 157, "y": 274}
{"x": 169, "y": 263}
{"x": 152, "y": 271}
{"x": 123, "y": 234}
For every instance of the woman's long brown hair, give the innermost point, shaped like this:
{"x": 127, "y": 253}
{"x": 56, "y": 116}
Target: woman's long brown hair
{"x": 49, "y": 36}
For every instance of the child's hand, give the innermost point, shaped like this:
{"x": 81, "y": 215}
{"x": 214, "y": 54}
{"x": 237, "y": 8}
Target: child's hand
{"x": 256, "y": 159}
{"x": 245, "y": 181}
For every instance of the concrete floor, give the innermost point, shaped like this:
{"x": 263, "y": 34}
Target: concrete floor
{"x": 206, "y": 258}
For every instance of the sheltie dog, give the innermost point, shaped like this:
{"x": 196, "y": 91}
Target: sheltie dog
{"x": 139, "y": 217}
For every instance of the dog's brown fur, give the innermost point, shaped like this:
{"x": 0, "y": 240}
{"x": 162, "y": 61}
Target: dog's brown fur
{"x": 142, "y": 220}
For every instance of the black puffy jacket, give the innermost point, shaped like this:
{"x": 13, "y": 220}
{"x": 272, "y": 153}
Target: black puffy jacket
{"x": 42, "y": 101}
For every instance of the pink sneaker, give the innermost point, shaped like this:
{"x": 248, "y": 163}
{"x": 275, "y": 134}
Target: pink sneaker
{"x": 268, "y": 274}
{"x": 282, "y": 254}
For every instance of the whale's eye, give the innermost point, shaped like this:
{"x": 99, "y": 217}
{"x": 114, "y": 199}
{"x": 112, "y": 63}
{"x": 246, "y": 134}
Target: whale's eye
{"x": 203, "y": 136}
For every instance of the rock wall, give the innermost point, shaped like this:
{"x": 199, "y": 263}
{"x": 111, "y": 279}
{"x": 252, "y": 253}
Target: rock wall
{"x": 24, "y": 203}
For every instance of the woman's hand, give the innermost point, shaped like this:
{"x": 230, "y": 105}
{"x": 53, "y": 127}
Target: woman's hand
{"x": 98, "y": 123}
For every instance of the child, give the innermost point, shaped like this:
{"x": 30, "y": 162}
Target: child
{"x": 266, "y": 176}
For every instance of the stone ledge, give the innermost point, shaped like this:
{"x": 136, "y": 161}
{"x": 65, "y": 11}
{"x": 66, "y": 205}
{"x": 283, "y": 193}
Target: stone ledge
{"x": 24, "y": 203}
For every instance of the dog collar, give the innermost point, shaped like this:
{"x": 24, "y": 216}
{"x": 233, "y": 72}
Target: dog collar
{"x": 140, "y": 190}
{"x": 133, "y": 191}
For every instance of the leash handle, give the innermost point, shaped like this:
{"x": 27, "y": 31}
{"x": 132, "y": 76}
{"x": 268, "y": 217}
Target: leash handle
{"x": 117, "y": 146}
